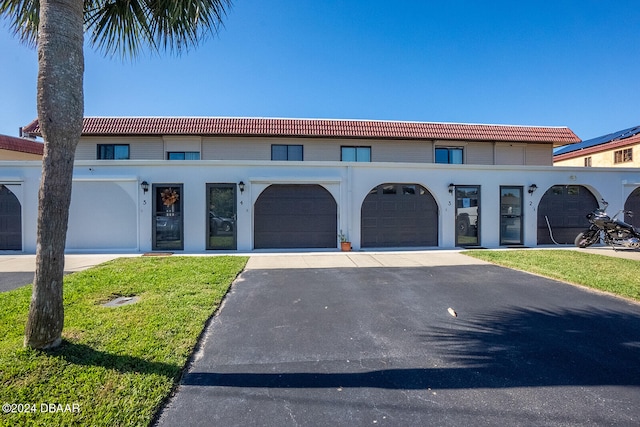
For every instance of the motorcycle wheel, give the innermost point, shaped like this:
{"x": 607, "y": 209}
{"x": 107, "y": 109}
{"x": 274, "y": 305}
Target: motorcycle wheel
{"x": 586, "y": 238}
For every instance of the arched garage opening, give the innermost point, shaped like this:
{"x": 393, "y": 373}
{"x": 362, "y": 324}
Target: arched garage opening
{"x": 566, "y": 207}
{"x": 10, "y": 221}
{"x": 295, "y": 216}
{"x": 399, "y": 215}
{"x": 633, "y": 204}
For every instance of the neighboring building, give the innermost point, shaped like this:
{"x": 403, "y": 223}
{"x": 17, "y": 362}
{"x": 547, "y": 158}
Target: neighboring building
{"x": 12, "y": 148}
{"x": 197, "y": 184}
{"x": 618, "y": 149}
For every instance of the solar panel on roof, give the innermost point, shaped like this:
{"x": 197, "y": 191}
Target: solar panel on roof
{"x": 615, "y": 136}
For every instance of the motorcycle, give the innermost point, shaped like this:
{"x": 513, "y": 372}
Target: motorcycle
{"x": 613, "y": 231}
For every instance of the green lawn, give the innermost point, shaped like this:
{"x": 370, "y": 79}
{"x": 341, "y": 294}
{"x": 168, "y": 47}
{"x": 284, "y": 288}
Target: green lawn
{"x": 116, "y": 366}
{"x": 615, "y": 275}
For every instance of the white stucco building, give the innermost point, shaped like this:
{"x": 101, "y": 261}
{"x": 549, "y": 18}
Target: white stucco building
{"x": 200, "y": 184}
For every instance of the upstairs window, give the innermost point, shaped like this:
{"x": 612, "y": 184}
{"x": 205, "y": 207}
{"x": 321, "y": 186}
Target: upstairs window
{"x": 183, "y": 155}
{"x": 355, "y": 154}
{"x": 286, "y": 152}
{"x": 113, "y": 152}
{"x": 622, "y": 156}
{"x": 450, "y": 155}
{"x": 587, "y": 162}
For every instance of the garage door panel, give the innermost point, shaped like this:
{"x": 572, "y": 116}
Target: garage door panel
{"x": 10, "y": 220}
{"x": 633, "y": 204}
{"x": 399, "y": 215}
{"x": 389, "y": 206}
{"x": 295, "y": 216}
{"x": 369, "y": 222}
{"x": 565, "y": 207}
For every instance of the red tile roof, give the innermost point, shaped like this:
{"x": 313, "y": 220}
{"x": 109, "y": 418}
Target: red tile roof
{"x": 21, "y": 145}
{"x": 317, "y": 128}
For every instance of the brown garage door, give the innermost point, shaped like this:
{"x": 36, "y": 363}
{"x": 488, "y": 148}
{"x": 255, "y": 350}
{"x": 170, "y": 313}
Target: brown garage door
{"x": 10, "y": 221}
{"x": 566, "y": 207}
{"x": 295, "y": 216}
{"x": 399, "y": 215}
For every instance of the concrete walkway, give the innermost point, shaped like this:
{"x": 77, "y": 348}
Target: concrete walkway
{"x": 359, "y": 259}
{"x": 17, "y": 270}
{"x": 608, "y": 251}
{"x": 19, "y": 263}
{"x": 73, "y": 262}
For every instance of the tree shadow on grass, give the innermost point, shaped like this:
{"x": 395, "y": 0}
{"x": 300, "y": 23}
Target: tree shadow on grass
{"x": 512, "y": 348}
{"x": 81, "y": 354}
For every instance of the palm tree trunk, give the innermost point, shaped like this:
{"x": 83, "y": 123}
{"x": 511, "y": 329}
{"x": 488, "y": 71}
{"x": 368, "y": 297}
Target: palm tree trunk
{"x": 60, "y": 113}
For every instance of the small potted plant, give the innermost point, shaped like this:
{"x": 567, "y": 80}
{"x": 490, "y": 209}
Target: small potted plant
{"x": 345, "y": 244}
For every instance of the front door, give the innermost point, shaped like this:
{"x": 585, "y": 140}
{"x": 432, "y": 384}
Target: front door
{"x": 510, "y": 215}
{"x": 467, "y": 215}
{"x": 168, "y": 233}
{"x": 221, "y": 216}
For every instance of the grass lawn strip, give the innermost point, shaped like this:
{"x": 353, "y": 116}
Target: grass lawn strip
{"x": 116, "y": 365}
{"x": 615, "y": 275}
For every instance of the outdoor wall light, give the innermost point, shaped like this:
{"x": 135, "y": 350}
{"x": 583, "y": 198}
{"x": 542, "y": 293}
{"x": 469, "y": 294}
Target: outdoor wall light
{"x": 145, "y": 186}
{"x": 452, "y": 187}
{"x": 241, "y": 186}
{"x": 532, "y": 188}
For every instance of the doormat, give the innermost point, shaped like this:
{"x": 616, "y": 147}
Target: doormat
{"x": 517, "y": 247}
{"x": 474, "y": 247}
{"x": 157, "y": 254}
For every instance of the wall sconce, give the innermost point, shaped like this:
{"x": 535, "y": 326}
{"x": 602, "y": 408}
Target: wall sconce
{"x": 532, "y": 188}
{"x": 241, "y": 186}
{"x": 452, "y": 187}
{"x": 145, "y": 186}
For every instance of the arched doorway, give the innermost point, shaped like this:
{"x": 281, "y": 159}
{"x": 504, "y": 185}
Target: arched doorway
{"x": 566, "y": 208}
{"x": 399, "y": 215}
{"x": 10, "y": 221}
{"x": 295, "y": 216}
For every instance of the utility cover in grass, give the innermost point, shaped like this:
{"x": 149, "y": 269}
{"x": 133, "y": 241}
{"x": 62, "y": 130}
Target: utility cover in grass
{"x": 121, "y": 301}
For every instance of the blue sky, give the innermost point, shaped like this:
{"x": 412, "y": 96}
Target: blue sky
{"x": 549, "y": 63}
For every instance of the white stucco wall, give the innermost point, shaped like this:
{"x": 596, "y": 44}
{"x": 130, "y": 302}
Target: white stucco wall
{"x": 110, "y": 212}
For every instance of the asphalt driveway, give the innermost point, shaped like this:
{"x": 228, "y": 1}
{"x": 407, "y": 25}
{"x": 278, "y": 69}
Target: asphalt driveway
{"x": 378, "y": 346}
{"x": 14, "y": 280}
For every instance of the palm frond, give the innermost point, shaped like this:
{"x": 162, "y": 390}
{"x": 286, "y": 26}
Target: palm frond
{"x": 128, "y": 26}
{"x": 23, "y": 18}
{"x": 117, "y": 26}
